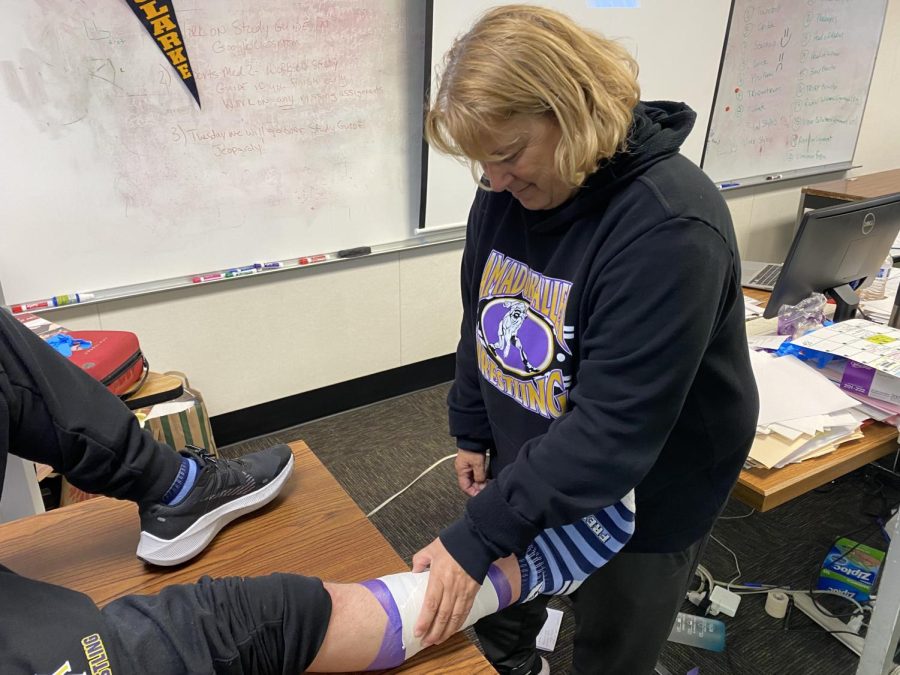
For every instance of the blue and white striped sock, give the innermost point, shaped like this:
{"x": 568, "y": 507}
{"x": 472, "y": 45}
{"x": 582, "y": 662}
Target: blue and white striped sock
{"x": 561, "y": 558}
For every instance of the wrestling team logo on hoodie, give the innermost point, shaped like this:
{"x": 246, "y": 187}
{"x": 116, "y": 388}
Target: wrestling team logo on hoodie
{"x": 521, "y": 337}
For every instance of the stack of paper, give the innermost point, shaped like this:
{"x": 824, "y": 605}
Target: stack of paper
{"x": 870, "y": 369}
{"x": 880, "y": 310}
{"x": 752, "y": 308}
{"x": 801, "y": 413}
{"x": 858, "y": 340}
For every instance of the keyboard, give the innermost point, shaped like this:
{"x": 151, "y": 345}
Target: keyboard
{"x": 767, "y": 276}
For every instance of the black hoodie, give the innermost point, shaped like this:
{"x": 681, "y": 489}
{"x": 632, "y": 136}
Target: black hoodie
{"x": 603, "y": 349}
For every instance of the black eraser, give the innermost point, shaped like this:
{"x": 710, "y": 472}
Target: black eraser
{"x": 353, "y": 252}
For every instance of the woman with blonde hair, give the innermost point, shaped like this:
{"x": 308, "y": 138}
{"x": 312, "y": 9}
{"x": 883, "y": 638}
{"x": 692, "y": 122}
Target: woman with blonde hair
{"x": 602, "y": 346}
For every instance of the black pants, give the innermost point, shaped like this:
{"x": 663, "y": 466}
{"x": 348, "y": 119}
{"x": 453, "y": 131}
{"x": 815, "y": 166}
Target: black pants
{"x": 623, "y": 615}
{"x": 52, "y": 412}
{"x": 254, "y": 625}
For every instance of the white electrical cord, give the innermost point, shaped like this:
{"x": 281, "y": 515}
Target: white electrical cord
{"x": 706, "y": 579}
{"x": 394, "y": 496}
{"x": 708, "y": 582}
{"x": 746, "y": 515}
{"x": 859, "y": 607}
{"x": 737, "y": 567}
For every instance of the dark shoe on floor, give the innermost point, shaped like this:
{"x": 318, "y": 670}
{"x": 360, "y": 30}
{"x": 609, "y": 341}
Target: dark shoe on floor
{"x": 225, "y": 489}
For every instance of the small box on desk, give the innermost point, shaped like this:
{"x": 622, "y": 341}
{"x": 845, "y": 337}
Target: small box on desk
{"x": 180, "y": 422}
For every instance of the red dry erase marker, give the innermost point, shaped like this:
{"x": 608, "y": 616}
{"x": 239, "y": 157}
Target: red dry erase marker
{"x": 31, "y": 306}
{"x": 215, "y": 276}
{"x": 321, "y": 257}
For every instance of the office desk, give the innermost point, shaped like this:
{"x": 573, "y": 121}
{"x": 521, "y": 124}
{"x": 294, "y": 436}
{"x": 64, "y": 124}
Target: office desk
{"x": 764, "y": 489}
{"x": 849, "y": 190}
{"x": 313, "y": 528}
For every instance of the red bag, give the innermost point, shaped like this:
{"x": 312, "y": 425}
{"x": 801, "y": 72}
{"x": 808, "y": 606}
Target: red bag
{"x": 114, "y": 358}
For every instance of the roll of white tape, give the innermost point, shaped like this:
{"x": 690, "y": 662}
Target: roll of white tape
{"x": 776, "y": 604}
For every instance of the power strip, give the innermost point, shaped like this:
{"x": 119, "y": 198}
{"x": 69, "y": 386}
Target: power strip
{"x": 805, "y": 604}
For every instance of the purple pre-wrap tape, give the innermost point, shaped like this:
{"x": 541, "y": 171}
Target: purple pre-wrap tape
{"x": 857, "y": 377}
{"x": 501, "y": 585}
{"x": 391, "y": 653}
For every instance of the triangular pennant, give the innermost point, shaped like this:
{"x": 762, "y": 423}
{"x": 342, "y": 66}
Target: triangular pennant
{"x": 162, "y": 25}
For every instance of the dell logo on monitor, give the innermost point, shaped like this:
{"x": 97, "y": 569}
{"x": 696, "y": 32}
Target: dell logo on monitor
{"x": 868, "y": 223}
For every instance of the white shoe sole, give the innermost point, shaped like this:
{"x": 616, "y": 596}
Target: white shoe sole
{"x": 168, "y": 552}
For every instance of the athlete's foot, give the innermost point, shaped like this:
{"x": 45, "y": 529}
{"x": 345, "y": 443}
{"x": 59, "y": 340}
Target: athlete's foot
{"x": 222, "y": 490}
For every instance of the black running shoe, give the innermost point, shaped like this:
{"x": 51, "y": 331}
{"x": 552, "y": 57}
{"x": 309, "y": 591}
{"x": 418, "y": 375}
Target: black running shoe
{"x": 224, "y": 490}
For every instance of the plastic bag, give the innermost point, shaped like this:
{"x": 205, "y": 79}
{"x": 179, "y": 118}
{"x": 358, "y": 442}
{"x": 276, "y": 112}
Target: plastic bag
{"x": 806, "y": 315}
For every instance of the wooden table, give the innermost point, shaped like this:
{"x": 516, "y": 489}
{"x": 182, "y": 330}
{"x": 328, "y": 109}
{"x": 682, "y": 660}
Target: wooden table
{"x": 845, "y": 190}
{"x": 764, "y": 489}
{"x": 313, "y": 528}
{"x": 157, "y": 388}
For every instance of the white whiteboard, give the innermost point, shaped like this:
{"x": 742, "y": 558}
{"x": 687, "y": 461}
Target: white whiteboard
{"x": 308, "y": 140}
{"x": 795, "y": 77}
{"x": 678, "y": 51}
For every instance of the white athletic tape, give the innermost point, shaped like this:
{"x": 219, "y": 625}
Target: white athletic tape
{"x": 408, "y": 590}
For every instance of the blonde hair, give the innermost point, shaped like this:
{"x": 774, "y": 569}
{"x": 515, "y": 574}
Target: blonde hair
{"x": 527, "y": 60}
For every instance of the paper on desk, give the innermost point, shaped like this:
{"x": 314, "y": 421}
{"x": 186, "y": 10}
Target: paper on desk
{"x": 760, "y": 326}
{"x": 767, "y": 451}
{"x": 789, "y": 389}
{"x": 880, "y": 310}
{"x": 790, "y": 433}
{"x": 859, "y": 340}
{"x": 170, "y": 408}
{"x": 823, "y": 442}
{"x": 876, "y": 414}
{"x": 752, "y": 308}
{"x": 772, "y": 342}
{"x": 773, "y": 452}
{"x": 816, "y": 424}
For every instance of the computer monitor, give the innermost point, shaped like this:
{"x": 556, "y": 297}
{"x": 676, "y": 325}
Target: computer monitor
{"x": 834, "y": 251}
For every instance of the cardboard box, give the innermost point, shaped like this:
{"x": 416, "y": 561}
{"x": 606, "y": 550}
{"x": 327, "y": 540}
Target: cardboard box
{"x": 851, "y": 569}
{"x": 181, "y": 421}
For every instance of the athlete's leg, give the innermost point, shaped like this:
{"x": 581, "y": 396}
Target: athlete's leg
{"x": 384, "y": 610}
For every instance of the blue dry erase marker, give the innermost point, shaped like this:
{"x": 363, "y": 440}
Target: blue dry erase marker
{"x": 725, "y": 186}
{"x": 270, "y": 265}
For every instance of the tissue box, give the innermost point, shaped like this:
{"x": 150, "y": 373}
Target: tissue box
{"x": 851, "y": 569}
